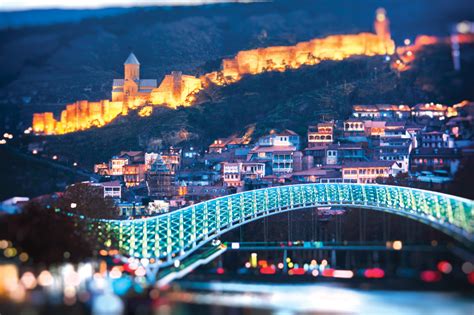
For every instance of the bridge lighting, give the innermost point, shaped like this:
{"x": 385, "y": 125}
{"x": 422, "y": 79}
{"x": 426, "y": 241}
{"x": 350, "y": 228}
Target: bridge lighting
{"x": 177, "y": 263}
{"x": 253, "y": 260}
{"x": 397, "y": 245}
{"x": 235, "y": 245}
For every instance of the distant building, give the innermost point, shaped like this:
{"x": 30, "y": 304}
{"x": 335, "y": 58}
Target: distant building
{"x": 102, "y": 169}
{"x": 434, "y": 139}
{"x": 280, "y": 139}
{"x": 134, "y": 175}
{"x": 430, "y": 110}
{"x": 432, "y": 159}
{"x": 111, "y": 189}
{"x": 133, "y": 156}
{"x": 368, "y": 172}
{"x": 160, "y": 180}
{"x": 381, "y": 111}
{"x": 234, "y": 174}
{"x": 321, "y": 134}
{"x": 314, "y": 175}
{"x": 116, "y": 165}
{"x": 131, "y": 86}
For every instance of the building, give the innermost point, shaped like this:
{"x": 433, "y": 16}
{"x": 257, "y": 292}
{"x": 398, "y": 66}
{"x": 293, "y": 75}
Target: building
{"x": 315, "y": 175}
{"x": 354, "y": 126}
{"x": 280, "y": 139}
{"x": 134, "y": 174}
{"x": 394, "y": 149}
{"x": 133, "y": 157}
{"x": 430, "y": 110}
{"x": 102, "y": 169}
{"x": 367, "y": 172}
{"x": 234, "y": 174}
{"x": 160, "y": 180}
{"x": 111, "y": 189}
{"x": 321, "y": 134}
{"x": 224, "y": 144}
{"x": 116, "y": 165}
{"x": 131, "y": 87}
{"x": 433, "y": 159}
{"x": 381, "y": 111}
{"x": 435, "y": 139}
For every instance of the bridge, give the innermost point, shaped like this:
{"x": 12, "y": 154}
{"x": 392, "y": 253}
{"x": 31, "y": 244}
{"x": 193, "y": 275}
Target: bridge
{"x": 176, "y": 235}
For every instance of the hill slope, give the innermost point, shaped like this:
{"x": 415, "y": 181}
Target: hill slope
{"x": 292, "y": 99}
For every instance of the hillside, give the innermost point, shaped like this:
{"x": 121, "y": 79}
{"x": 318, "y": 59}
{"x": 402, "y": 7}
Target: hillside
{"x": 44, "y": 68}
{"x": 292, "y": 99}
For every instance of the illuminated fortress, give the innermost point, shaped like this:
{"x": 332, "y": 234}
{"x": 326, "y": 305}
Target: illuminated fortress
{"x": 177, "y": 89}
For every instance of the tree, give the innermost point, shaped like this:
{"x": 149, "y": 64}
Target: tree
{"x": 87, "y": 200}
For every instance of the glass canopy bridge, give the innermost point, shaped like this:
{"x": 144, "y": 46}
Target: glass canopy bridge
{"x": 174, "y": 236}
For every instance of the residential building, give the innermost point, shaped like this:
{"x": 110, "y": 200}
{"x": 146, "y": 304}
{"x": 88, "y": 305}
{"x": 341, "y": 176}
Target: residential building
{"x": 102, "y": 169}
{"x": 116, "y": 165}
{"x": 285, "y": 138}
{"x": 367, "y": 172}
{"x": 381, "y": 111}
{"x": 134, "y": 175}
{"x": 435, "y": 139}
{"x": 234, "y": 174}
{"x": 431, "y": 159}
{"x": 111, "y": 189}
{"x": 430, "y": 110}
{"x": 321, "y": 134}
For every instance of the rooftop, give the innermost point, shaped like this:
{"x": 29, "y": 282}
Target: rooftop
{"x": 131, "y": 60}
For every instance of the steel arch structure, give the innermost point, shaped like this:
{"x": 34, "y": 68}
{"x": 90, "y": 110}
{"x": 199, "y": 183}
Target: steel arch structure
{"x": 177, "y": 234}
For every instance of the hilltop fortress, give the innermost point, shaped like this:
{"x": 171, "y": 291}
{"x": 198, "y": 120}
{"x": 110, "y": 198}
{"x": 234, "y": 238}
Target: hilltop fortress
{"x": 177, "y": 89}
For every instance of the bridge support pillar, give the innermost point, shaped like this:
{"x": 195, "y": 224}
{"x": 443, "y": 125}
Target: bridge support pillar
{"x": 285, "y": 263}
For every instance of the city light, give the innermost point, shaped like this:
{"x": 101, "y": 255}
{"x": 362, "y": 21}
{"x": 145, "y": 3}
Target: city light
{"x": 397, "y": 245}
{"x": 253, "y": 260}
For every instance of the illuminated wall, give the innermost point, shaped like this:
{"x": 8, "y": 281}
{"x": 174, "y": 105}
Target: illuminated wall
{"x": 80, "y": 115}
{"x": 280, "y": 58}
{"x": 174, "y": 89}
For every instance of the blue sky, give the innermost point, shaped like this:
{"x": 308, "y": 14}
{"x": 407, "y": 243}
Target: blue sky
{"x": 8, "y": 5}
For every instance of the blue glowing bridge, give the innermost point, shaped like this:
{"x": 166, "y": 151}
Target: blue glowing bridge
{"x": 175, "y": 235}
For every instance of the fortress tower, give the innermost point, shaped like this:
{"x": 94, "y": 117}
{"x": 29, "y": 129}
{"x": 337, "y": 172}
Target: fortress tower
{"x": 382, "y": 24}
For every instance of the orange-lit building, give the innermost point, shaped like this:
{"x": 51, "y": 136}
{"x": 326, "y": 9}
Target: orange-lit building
{"x": 368, "y": 172}
{"x": 321, "y": 134}
{"x": 134, "y": 175}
